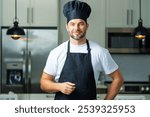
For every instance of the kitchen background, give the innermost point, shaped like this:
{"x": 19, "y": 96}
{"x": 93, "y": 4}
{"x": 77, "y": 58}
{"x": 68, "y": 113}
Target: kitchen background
{"x": 48, "y": 15}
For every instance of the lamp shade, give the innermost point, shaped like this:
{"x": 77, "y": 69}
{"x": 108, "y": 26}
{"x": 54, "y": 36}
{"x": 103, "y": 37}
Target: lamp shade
{"x": 140, "y": 32}
{"x": 15, "y": 31}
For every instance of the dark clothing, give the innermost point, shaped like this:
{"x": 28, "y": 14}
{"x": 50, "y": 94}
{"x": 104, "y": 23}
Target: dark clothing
{"x": 78, "y": 70}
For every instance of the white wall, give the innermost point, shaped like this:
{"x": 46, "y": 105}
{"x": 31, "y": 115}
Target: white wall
{"x": 96, "y": 22}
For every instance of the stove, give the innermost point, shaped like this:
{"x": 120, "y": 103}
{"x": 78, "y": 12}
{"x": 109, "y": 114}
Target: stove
{"x": 136, "y": 87}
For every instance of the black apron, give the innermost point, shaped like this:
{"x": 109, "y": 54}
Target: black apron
{"x": 78, "y": 70}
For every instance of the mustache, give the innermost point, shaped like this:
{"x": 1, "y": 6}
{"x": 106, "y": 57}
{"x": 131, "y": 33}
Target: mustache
{"x": 77, "y": 32}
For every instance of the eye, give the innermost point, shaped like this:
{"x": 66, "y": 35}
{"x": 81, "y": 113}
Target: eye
{"x": 71, "y": 24}
{"x": 81, "y": 23}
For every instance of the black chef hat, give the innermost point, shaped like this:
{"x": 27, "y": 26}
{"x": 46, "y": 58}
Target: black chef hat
{"x": 76, "y": 10}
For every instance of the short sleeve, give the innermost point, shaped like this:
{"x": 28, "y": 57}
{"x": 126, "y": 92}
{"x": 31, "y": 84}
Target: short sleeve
{"x": 108, "y": 64}
{"x": 51, "y": 64}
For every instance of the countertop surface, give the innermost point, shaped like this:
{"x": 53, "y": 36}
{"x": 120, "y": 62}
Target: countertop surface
{"x": 46, "y": 96}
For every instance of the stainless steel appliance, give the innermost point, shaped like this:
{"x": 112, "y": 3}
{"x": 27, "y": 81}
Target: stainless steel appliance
{"x": 135, "y": 88}
{"x": 121, "y": 40}
{"x": 23, "y": 60}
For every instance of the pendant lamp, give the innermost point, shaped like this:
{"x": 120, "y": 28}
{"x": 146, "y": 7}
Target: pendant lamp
{"x": 140, "y": 32}
{"x": 15, "y": 31}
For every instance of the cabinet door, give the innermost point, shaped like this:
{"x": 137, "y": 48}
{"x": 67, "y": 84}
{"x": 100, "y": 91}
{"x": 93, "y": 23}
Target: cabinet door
{"x": 0, "y": 40}
{"x": 145, "y": 12}
{"x": 116, "y": 13}
{"x": 24, "y": 12}
{"x": 0, "y": 12}
{"x": 8, "y": 12}
{"x": 31, "y": 12}
{"x": 134, "y": 6}
{"x": 38, "y": 13}
{"x": 44, "y": 13}
{"x": 125, "y": 13}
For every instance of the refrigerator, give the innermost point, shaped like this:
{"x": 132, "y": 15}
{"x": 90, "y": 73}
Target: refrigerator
{"x": 23, "y": 60}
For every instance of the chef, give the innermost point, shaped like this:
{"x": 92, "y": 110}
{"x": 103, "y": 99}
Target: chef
{"x": 72, "y": 68}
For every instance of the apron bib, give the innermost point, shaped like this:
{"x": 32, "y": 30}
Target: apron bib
{"x": 78, "y": 70}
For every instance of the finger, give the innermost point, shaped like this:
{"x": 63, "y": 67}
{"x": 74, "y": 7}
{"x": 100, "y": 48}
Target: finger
{"x": 72, "y": 84}
{"x": 70, "y": 87}
{"x": 69, "y": 90}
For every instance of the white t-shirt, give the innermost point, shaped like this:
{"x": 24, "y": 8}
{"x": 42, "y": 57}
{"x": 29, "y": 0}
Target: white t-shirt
{"x": 101, "y": 59}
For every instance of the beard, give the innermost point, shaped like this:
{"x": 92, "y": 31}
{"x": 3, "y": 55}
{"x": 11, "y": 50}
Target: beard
{"x": 78, "y": 36}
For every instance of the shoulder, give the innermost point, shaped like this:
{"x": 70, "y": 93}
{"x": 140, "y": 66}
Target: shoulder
{"x": 96, "y": 48}
{"x": 98, "y": 52}
{"x": 62, "y": 48}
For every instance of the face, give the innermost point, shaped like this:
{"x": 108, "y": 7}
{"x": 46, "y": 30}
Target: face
{"x": 77, "y": 28}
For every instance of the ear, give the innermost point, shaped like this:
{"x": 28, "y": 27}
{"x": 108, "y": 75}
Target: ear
{"x": 67, "y": 27}
{"x": 87, "y": 26}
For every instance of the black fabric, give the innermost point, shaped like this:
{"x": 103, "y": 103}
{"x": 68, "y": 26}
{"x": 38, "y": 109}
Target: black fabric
{"x": 78, "y": 69}
{"x": 76, "y": 10}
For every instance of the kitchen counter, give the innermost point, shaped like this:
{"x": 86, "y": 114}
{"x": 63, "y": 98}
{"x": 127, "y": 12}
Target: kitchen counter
{"x": 46, "y": 96}
{"x": 39, "y": 96}
{"x": 101, "y": 92}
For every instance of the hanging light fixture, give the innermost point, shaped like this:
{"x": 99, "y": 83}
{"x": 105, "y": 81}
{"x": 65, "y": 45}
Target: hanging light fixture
{"x": 15, "y": 31}
{"x": 140, "y": 32}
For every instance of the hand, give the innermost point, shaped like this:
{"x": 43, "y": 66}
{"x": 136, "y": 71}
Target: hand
{"x": 67, "y": 87}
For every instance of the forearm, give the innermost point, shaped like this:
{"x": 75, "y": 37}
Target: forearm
{"x": 50, "y": 86}
{"x": 113, "y": 89}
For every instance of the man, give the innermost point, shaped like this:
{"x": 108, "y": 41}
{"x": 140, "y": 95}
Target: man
{"x": 72, "y": 67}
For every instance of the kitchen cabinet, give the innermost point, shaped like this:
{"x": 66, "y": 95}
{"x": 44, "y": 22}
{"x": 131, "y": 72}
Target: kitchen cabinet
{"x": 125, "y": 13}
{"x": 31, "y": 12}
{"x": 0, "y": 33}
{"x": 0, "y": 11}
{"x": 145, "y": 12}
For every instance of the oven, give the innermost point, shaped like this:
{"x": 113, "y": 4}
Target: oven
{"x": 135, "y": 88}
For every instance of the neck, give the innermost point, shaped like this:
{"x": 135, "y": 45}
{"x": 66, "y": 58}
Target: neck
{"x": 78, "y": 42}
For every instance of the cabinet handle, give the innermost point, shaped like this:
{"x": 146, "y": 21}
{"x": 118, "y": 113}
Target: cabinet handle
{"x": 128, "y": 16}
{"x": 28, "y": 13}
{"x": 29, "y": 71}
{"x": 131, "y": 17}
{"x": 32, "y": 14}
{"x": 24, "y": 69}
{"x": 24, "y": 64}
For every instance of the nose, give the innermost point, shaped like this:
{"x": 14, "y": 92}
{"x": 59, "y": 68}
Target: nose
{"x": 76, "y": 27}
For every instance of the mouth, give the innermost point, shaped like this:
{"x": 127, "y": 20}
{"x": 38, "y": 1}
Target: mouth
{"x": 77, "y": 33}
